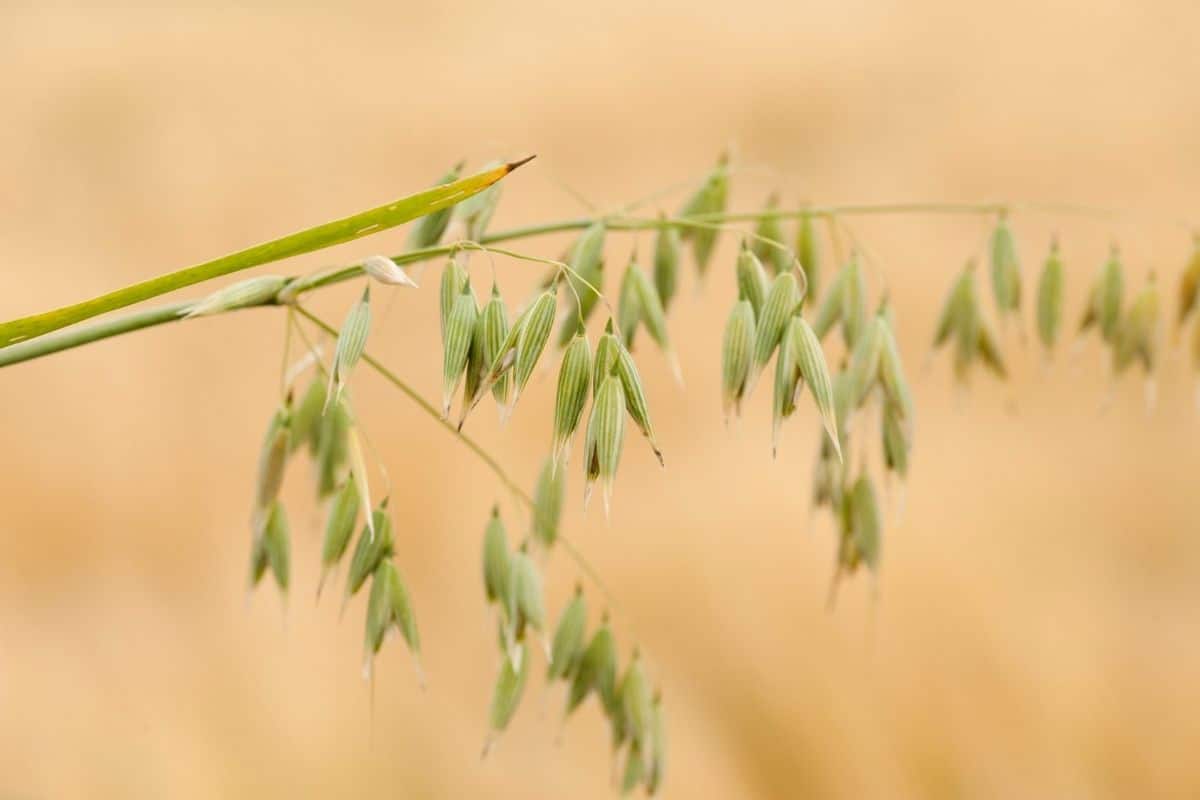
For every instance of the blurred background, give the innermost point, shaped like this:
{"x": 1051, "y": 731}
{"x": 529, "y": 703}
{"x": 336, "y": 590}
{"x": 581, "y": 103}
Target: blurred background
{"x": 1033, "y": 631}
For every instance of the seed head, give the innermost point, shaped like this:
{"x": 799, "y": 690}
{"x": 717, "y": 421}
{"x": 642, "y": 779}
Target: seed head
{"x": 548, "y": 498}
{"x": 635, "y": 397}
{"x": 339, "y": 527}
{"x": 389, "y": 607}
{"x": 864, "y": 362}
{"x": 827, "y": 476}
{"x": 358, "y": 471}
{"x": 815, "y": 371}
{"x": 737, "y": 356}
{"x": 525, "y": 594}
{"x": 496, "y": 562}
{"x": 709, "y": 199}
{"x": 638, "y": 705}
{"x": 809, "y": 255}
{"x": 273, "y": 548}
{"x": 387, "y": 272}
{"x": 989, "y": 350}
{"x": 1006, "y": 270}
{"x": 272, "y": 460}
{"x": 854, "y": 302}
{"x": 1136, "y": 335}
{"x": 306, "y": 419}
{"x": 865, "y": 527}
{"x": 379, "y": 611}
{"x": 474, "y": 374}
{"x": 454, "y": 278}
{"x": 629, "y": 305}
{"x": 605, "y": 435}
{"x": 597, "y": 671}
{"x": 962, "y": 321}
{"x": 829, "y": 312}
{"x": 586, "y": 260}
{"x": 574, "y": 383}
{"x": 456, "y": 345}
{"x": 781, "y": 302}
{"x": 891, "y": 371}
{"x": 510, "y": 685}
{"x": 787, "y": 386}
{"x": 635, "y": 769}
{"x": 370, "y": 550}
{"x": 1051, "y": 288}
{"x": 568, "y": 643}
{"x": 1109, "y": 293}
{"x": 653, "y": 316}
{"x": 250, "y": 292}
{"x": 666, "y": 262}
{"x": 768, "y": 230}
{"x": 495, "y": 331}
{"x": 607, "y": 354}
{"x": 332, "y": 448}
{"x": 352, "y": 340}
{"x": 896, "y": 442}
{"x": 535, "y": 332}
{"x": 752, "y": 280}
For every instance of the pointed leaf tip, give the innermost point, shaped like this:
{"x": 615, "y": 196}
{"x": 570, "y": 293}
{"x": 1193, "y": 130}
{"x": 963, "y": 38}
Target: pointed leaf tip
{"x": 512, "y": 165}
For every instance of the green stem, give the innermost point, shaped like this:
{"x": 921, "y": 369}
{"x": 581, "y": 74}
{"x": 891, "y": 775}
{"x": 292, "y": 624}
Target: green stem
{"x": 86, "y": 334}
{"x": 47, "y": 345}
{"x": 306, "y": 241}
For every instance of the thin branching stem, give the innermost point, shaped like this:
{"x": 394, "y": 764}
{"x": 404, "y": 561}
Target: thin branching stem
{"x": 104, "y": 329}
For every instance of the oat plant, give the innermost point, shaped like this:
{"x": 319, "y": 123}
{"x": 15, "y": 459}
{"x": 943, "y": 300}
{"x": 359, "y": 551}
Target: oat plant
{"x": 802, "y": 313}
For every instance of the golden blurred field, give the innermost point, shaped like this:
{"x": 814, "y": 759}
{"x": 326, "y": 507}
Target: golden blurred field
{"x": 1036, "y": 628}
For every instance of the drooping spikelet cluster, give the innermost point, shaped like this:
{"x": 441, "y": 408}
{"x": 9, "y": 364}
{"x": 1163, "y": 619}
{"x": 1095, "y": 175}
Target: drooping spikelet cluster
{"x": 869, "y": 385}
{"x": 586, "y": 665}
{"x": 1129, "y": 329}
{"x": 323, "y": 423}
{"x": 780, "y": 315}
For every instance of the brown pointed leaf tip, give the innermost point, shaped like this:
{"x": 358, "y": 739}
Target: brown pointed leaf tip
{"x": 512, "y": 165}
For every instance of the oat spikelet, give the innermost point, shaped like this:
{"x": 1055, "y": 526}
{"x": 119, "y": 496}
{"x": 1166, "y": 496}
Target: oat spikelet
{"x": 815, "y": 371}
{"x": 1051, "y": 289}
{"x": 387, "y": 272}
{"x": 605, "y": 436}
{"x": 370, "y": 550}
{"x": 574, "y": 384}
{"x": 250, "y": 292}
{"x": 809, "y": 255}
{"x": 635, "y": 397}
{"x": 352, "y": 340}
{"x": 737, "y": 356}
{"x": 1006, "y": 270}
{"x": 456, "y": 345}
{"x": 339, "y": 527}
{"x": 666, "y": 262}
{"x": 567, "y": 647}
{"x": 496, "y": 562}
{"x": 510, "y": 685}
{"x": 548, "y": 498}
{"x": 358, "y": 470}
{"x": 752, "y": 281}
